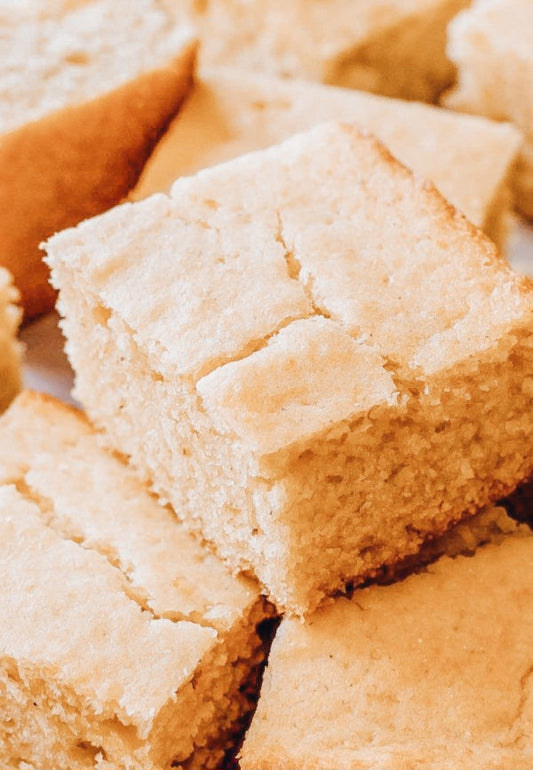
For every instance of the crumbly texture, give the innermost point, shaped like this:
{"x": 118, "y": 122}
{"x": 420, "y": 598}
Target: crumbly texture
{"x": 10, "y": 349}
{"x": 396, "y": 47}
{"x": 309, "y": 352}
{"x": 492, "y": 44}
{"x": 491, "y": 525}
{"x": 88, "y": 554}
{"x": 432, "y": 672}
{"x": 230, "y": 112}
{"x": 78, "y": 124}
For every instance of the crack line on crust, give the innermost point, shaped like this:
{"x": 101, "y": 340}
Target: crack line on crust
{"x": 134, "y": 592}
{"x": 294, "y": 268}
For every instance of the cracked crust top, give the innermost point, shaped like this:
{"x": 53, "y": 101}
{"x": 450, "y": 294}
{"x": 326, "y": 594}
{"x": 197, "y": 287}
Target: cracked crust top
{"x": 58, "y": 466}
{"x": 135, "y": 662}
{"x": 328, "y": 224}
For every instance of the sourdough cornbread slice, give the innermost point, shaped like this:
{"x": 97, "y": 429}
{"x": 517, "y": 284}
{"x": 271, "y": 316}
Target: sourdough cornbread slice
{"x": 229, "y": 112}
{"x": 430, "y": 673}
{"x": 492, "y": 45}
{"x": 87, "y": 89}
{"x": 123, "y": 643}
{"x": 10, "y": 349}
{"x": 393, "y": 47}
{"x": 308, "y": 352}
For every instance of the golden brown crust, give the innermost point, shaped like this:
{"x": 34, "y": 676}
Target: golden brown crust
{"x": 445, "y": 210}
{"x": 78, "y": 162}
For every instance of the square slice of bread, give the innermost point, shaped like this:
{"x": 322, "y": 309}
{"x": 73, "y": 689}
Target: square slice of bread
{"x": 87, "y": 90}
{"x": 124, "y": 643}
{"x": 306, "y": 350}
{"x": 392, "y": 47}
{"x": 10, "y": 348}
{"x": 492, "y": 45}
{"x": 432, "y": 672}
{"x": 229, "y": 113}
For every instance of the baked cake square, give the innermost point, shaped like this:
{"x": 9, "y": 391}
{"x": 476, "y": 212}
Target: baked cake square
{"x": 311, "y": 354}
{"x": 492, "y": 45}
{"x": 88, "y": 87}
{"x": 123, "y": 642}
{"x": 431, "y": 672}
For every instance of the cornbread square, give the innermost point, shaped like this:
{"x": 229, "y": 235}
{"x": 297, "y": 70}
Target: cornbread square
{"x": 88, "y": 87}
{"x": 396, "y": 47}
{"x": 123, "y": 643}
{"x": 432, "y": 672}
{"x": 10, "y": 349}
{"x": 308, "y": 352}
{"x": 492, "y": 45}
{"x": 229, "y": 112}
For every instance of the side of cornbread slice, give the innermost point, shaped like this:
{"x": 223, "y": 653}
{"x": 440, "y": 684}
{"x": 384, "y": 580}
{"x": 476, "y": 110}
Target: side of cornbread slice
{"x": 87, "y": 90}
{"x": 308, "y": 352}
{"x": 492, "y": 46}
{"x": 10, "y": 349}
{"x": 432, "y": 672}
{"x": 396, "y": 47}
{"x": 229, "y": 113}
{"x": 124, "y": 642}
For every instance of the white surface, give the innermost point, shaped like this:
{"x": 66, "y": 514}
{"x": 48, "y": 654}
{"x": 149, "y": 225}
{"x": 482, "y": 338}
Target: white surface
{"x": 520, "y": 247}
{"x": 47, "y": 368}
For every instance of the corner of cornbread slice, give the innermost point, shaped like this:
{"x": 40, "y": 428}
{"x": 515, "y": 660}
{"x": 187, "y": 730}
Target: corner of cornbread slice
{"x": 306, "y": 350}
{"x": 10, "y": 349}
{"x": 229, "y": 112}
{"x": 87, "y": 90}
{"x": 491, "y": 44}
{"x": 431, "y": 672}
{"x": 125, "y": 643}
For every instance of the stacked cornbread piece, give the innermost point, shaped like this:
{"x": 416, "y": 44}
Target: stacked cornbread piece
{"x": 123, "y": 643}
{"x": 308, "y": 352}
{"x": 87, "y": 88}
{"x": 321, "y": 369}
{"x": 430, "y": 673}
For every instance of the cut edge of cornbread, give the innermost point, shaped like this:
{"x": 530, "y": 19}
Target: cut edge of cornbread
{"x": 215, "y": 674}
